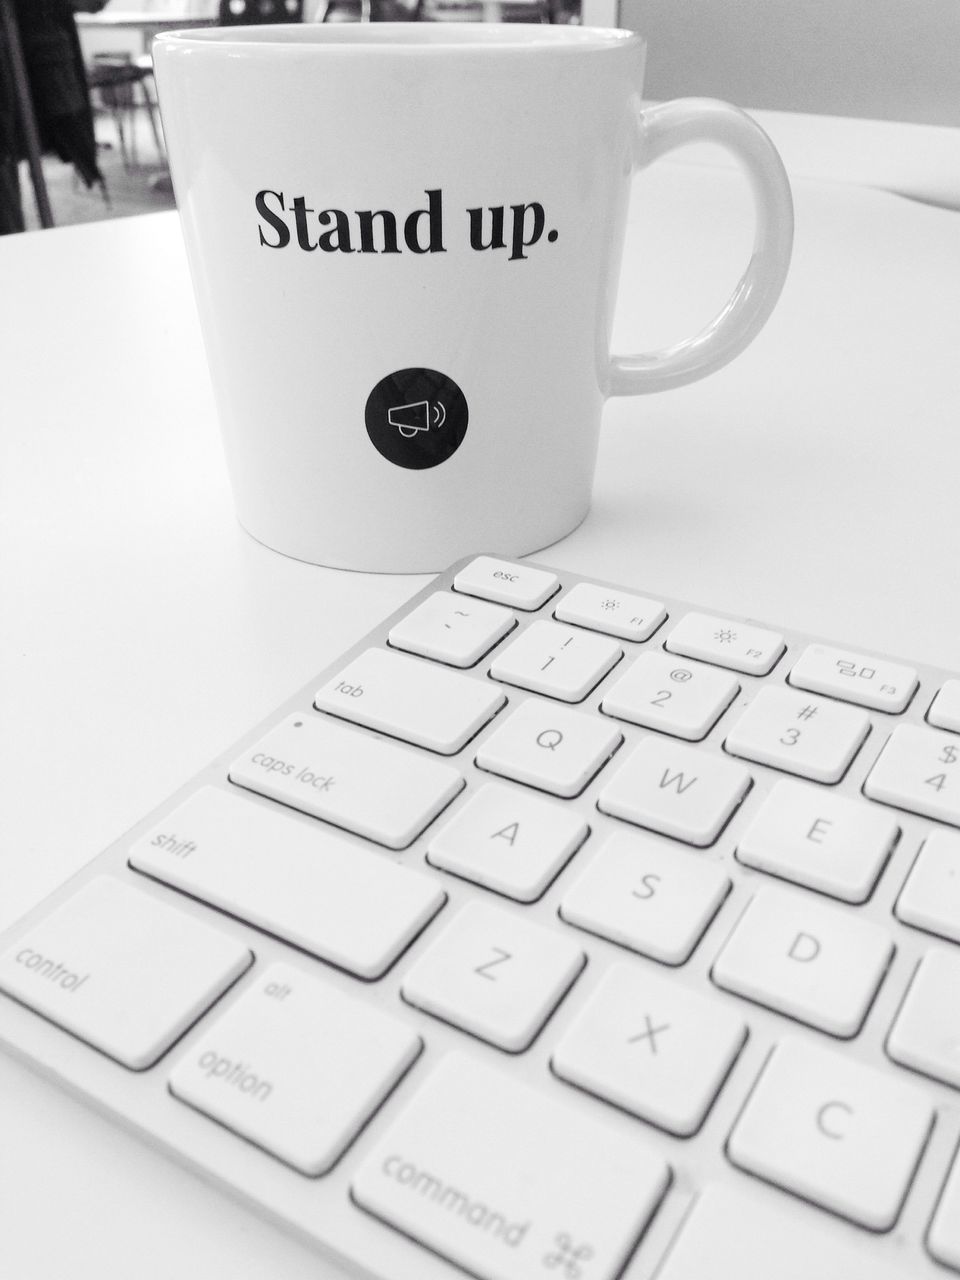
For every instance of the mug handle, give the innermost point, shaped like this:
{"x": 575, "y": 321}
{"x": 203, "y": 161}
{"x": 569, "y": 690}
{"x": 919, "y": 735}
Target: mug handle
{"x": 669, "y": 125}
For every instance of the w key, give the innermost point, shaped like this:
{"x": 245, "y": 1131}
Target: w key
{"x": 676, "y": 790}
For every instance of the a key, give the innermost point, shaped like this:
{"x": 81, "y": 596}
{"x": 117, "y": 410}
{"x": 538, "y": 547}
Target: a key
{"x": 926, "y": 1034}
{"x": 376, "y": 789}
{"x": 684, "y": 699}
{"x": 296, "y": 1067}
{"x": 854, "y": 677}
{"x": 819, "y": 839}
{"x": 312, "y": 887}
{"x": 647, "y": 895}
{"x": 556, "y": 660}
{"x": 549, "y": 747}
{"x": 510, "y": 1182}
{"x": 737, "y": 645}
{"x": 122, "y": 971}
{"x": 616, "y": 613}
{"x": 826, "y": 1127}
{"x": 651, "y": 1046}
{"x": 776, "y": 1242}
{"x": 449, "y": 629}
{"x": 930, "y": 899}
{"x": 944, "y": 711}
{"x": 508, "y": 840}
{"x": 494, "y": 974}
{"x": 409, "y": 699}
{"x": 807, "y": 736}
{"x": 944, "y": 1237}
{"x": 918, "y": 770}
{"x": 812, "y": 961}
{"x": 505, "y": 582}
{"x": 675, "y": 790}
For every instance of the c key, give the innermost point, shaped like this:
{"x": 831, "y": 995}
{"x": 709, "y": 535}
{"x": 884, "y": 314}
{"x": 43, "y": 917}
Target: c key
{"x": 834, "y": 1131}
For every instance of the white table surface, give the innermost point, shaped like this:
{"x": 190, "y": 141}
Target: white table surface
{"x": 812, "y": 484}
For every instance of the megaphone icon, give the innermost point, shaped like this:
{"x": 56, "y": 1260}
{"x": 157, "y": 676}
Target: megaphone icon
{"x": 419, "y": 416}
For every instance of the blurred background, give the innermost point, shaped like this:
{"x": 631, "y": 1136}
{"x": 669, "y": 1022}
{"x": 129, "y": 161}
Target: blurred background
{"x": 81, "y": 138}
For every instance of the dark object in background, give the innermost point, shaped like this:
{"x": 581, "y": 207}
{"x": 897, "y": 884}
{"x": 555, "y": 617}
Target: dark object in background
{"x": 61, "y": 101}
{"x": 247, "y": 13}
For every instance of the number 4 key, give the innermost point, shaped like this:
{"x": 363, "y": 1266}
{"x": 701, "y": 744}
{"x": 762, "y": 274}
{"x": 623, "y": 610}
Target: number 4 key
{"x": 918, "y": 770}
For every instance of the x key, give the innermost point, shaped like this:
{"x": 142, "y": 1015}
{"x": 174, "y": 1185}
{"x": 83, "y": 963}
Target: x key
{"x": 674, "y": 1084}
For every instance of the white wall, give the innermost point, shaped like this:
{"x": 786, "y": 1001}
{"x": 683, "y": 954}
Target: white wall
{"x": 883, "y": 59}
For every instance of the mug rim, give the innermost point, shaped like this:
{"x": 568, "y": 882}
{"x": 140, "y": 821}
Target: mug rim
{"x": 401, "y": 38}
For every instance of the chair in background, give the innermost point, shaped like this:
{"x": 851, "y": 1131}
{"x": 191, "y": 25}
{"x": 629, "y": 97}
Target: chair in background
{"x": 435, "y": 11}
{"x": 115, "y": 78}
{"x": 369, "y": 11}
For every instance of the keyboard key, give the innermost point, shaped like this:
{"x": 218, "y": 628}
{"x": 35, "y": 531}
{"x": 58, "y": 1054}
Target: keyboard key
{"x": 826, "y": 1127}
{"x": 122, "y": 971}
{"x": 918, "y": 770}
{"x": 854, "y": 677}
{"x": 807, "y": 736}
{"x": 508, "y": 840}
{"x": 556, "y": 660}
{"x": 616, "y": 613}
{"x": 944, "y": 711}
{"x": 930, "y": 899}
{"x": 944, "y": 1238}
{"x": 647, "y": 895}
{"x": 409, "y": 699}
{"x": 502, "y": 1179}
{"x": 774, "y": 1244}
{"x": 385, "y": 792}
{"x": 652, "y": 1046}
{"x": 926, "y": 1034}
{"x": 449, "y": 629}
{"x": 505, "y": 582}
{"x": 295, "y": 1067}
{"x": 682, "y": 699}
{"x": 309, "y": 886}
{"x": 550, "y": 747}
{"x": 819, "y": 839}
{"x": 675, "y": 790}
{"x": 494, "y": 974}
{"x": 737, "y": 645}
{"x": 812, "y": 961}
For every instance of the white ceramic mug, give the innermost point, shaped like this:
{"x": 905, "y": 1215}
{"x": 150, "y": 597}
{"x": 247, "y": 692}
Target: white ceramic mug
{"x": 405, "y": 242}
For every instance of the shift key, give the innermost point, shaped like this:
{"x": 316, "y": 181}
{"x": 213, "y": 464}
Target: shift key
{"x": 509, "y": 1182}
{"x": 385, "y": 792}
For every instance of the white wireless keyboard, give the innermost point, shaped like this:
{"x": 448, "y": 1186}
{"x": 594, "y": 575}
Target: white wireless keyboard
{"x": 553, "y": 933}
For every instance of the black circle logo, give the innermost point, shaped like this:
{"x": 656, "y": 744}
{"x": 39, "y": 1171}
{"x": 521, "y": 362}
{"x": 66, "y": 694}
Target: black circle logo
{"x": 416, "y": 418}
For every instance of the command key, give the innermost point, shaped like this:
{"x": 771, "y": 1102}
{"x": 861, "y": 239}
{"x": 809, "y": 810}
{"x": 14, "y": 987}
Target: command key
{"x": 510, "y": 1183}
